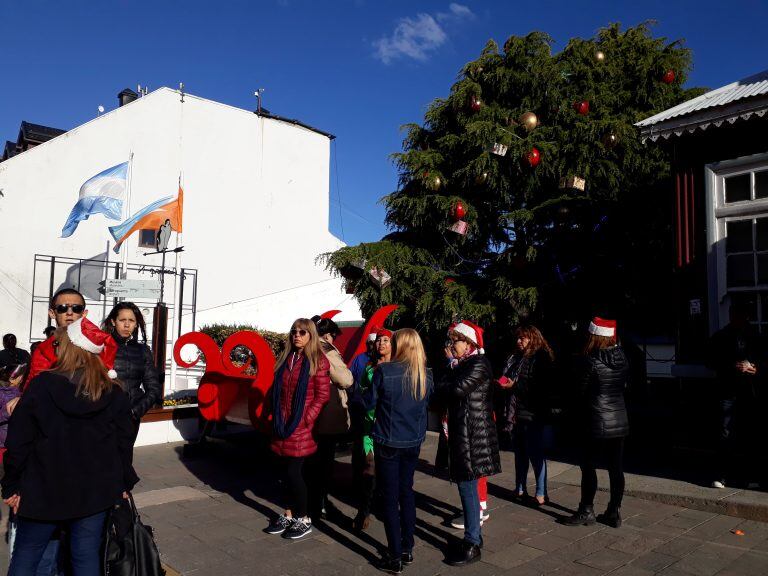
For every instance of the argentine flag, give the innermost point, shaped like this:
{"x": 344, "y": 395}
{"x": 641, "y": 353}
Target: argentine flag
{"x": 102, "y": 194}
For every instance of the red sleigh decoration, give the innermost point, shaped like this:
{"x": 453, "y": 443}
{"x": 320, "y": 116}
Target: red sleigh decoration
{"x": 226, "y": 392}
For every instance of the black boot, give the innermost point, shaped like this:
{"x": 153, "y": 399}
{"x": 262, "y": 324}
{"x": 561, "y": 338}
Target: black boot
{"x": 466, "y": 553}
{"x": 585, "y": 516}
{"x": 612, "y": 517}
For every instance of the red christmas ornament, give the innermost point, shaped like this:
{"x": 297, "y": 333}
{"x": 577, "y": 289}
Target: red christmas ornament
{"x": 582, "y": 107}
{"x": 533, "y": 157}
{"x": 458, "y": 211}
{"x": 475, "y": 103}
{"x": 449, "y": 281}
{"x": 669, "y": 77}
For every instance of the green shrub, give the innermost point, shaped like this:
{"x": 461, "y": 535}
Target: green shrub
{"x": 220, "y": 332}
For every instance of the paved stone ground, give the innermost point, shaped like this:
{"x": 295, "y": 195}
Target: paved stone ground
{"x": 209, "y": 512}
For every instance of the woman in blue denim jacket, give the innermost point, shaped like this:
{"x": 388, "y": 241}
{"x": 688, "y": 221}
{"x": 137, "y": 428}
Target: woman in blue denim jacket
{"x": 400, "y": 394}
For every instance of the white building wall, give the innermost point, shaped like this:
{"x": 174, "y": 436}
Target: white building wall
{"x": 255, "y": 208}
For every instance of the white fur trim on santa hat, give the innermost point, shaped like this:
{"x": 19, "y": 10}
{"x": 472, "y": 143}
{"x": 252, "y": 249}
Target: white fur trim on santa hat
{"x": 466, "y": 331}
{"x": 601, "y": 330}
{"x": 112, "y": 374}
{"x": 371, "y": 337}
{"x": 75, "y": 333}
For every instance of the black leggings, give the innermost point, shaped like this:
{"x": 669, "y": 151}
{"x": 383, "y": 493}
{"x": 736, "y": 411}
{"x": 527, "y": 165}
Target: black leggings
{"x": 612, "y": 450}
{"x": 294, "y": 486}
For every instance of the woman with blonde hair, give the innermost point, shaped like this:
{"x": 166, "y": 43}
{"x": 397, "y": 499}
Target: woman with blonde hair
{"x": 399, "y": 394}
{"x": 70, "y": 450}
{"x": 300, "y": 389}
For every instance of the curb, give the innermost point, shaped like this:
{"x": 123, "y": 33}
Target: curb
{"x": 745, "y": 510}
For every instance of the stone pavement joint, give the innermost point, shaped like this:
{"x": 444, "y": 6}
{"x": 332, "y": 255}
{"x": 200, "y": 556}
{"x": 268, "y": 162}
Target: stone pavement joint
{"x": 167, "y": 495}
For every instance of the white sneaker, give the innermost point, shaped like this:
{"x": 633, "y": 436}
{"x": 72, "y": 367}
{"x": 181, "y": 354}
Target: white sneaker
{"x": 458, "y": 522}
{"x": 718, "y": 484}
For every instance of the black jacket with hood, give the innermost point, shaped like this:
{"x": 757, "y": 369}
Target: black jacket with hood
{"x": 603, "y": 381}
{"x": 472, "y": 440}
{"x": 135, "y": 368}
{"x": 68, "y": 456}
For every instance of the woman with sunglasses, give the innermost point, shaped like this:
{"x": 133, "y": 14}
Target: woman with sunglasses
{"x": 134, "y": 363}
{"x": 300, "y": 389}
{"x": 473, "y": 445}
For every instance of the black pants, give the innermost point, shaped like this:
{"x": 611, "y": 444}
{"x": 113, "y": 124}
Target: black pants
{"x": 320, "y": 468}
{"x": 395, "y": 468}
{"x": 294, "y": 486}
{"x": 611, "y": 452}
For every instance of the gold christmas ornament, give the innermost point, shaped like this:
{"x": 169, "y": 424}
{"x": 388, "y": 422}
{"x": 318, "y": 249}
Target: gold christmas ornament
{"x": 482, "y": 178}
{"x": 610, "y": 140}
{"x": 600, "y": 56}
{"x": 529, "y": 120}
{"x": 436, "y": 183}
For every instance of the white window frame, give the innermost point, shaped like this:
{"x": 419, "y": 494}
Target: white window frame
{"x": 717, "y": 214}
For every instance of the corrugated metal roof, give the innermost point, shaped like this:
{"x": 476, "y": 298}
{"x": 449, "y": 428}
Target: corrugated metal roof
{"x": 755, "y": 85}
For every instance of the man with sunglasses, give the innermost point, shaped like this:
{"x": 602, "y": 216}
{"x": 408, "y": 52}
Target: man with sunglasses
{"x": 66, "y": 306}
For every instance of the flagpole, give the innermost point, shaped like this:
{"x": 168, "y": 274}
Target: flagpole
{"x": 127, "y": 209}
{"x": 177, "y": 304}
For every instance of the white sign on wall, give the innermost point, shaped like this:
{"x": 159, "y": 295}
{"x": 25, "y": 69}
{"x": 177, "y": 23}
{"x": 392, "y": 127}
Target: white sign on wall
{"x": 132, "y": 289}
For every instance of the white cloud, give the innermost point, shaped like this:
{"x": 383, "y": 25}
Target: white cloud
{"x": 419, "y": 37}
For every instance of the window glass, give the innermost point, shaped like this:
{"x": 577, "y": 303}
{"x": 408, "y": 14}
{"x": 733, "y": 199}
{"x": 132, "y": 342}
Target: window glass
{"x": 761, "y": 184}
{"x": 762, "y": 268}
{"x": 738, "y": 236}
{"x": 147, "y": 238}
{"x": 740, "y": 270}
{"x": 737, "y": 188}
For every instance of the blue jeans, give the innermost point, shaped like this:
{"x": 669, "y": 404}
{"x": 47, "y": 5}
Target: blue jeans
{"x": 394, "y": 480}
{"x": 85, "y": 536}
{"x": 531, "y": 440}
{"x": 470, "y": 503}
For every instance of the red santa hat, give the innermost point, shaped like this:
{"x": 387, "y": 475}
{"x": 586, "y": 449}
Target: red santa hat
{"x": 381, "y": 332}
{"x": 470, "y": 331}
{"x": 602, "y": 327}
{"x": 86, "y": 335}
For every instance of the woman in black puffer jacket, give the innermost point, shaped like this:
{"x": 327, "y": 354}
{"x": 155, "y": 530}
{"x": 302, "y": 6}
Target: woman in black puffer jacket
{"x": 472, "y": 442}
{"x": 602, "y": 418}
{"x": 134, "y": 363}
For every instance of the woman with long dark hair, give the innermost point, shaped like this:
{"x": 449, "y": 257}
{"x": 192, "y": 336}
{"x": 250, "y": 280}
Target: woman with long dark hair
{"x": 602, "y": 421}
{"x": 134, "y": 363}
{"x": 69, "y": 452}
{"x": 399, "y": 395}
{"x": 529, "y": 373}
{"x": 300, "y": 389}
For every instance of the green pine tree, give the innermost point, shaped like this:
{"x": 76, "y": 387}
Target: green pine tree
{"x": 534, "y": 245}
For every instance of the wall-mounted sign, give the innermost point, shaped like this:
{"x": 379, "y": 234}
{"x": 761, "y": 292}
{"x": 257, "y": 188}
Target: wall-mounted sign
{"x": 132, "y": 289}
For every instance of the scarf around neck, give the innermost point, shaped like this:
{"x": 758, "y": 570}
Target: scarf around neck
{"x": 282, "y": 428}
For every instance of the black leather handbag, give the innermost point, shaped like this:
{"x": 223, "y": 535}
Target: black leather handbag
{"x": 129, "y": 545}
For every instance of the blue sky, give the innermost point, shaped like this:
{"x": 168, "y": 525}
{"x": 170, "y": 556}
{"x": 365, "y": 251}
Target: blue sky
{"x": 356, "y": 68}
